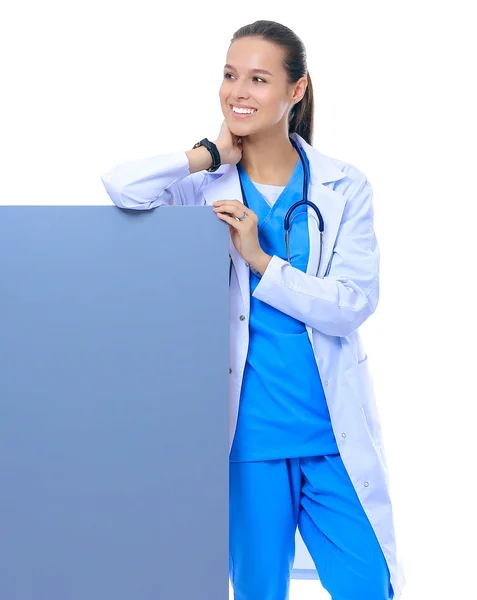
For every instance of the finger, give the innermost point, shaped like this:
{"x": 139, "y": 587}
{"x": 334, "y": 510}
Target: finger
{"x": 232, "y": 210}
{"x": 227, "y": 203}
{"x": 223, "y": 209}
{"x": 230, "y": 220}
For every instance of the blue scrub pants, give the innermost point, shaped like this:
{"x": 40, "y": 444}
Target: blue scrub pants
{"x": 269, "y": 499}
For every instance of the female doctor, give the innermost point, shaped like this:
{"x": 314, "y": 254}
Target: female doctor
{"x": 307, "y": 449}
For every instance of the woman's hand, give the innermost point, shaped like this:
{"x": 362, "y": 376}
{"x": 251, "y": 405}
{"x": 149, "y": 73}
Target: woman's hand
{"x": 244, "y": 233}
{"x": 229, "y": 146}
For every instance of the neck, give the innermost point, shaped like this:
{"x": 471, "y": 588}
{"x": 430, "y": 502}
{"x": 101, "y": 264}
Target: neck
{"x": 268, "y": 158}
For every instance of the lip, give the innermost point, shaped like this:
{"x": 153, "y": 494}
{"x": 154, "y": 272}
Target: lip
{"x": 241, "y": 106}
{"x": 244, "y": 115}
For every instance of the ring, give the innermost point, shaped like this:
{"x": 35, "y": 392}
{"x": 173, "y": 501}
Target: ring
{"x": 245, "y": 215}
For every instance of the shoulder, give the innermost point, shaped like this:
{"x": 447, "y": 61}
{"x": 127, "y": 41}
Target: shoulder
{"x": 340, "y": 175}
{"x": 350, "y": 174}
{"x": 352, "y": 182}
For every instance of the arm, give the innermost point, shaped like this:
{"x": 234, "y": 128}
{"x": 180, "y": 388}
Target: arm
{"x": 174, "y": 178}
{"x": 341, "y": 301}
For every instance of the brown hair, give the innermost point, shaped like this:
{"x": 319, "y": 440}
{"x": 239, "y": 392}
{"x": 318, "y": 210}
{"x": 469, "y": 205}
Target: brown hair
{"x": 301, "y": 115}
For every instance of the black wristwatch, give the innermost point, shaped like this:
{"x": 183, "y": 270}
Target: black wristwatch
{"x": 212, "y": 148}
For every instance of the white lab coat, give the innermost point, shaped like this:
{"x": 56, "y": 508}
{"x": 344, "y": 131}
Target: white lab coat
{"x": 332, "y": 305}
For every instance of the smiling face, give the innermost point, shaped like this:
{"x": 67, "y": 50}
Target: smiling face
{"x": 254, "y": 78}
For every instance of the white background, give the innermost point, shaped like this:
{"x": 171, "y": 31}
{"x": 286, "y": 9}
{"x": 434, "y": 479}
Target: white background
{"x": 88, "y": 85}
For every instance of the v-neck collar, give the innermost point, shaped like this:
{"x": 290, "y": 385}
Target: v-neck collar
{"x": 249, "y": 184}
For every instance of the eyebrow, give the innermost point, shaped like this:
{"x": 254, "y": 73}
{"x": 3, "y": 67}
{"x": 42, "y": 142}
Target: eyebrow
{"x": 251, "y": 70}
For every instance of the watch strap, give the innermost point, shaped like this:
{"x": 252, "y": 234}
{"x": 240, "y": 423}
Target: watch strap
{"x": 212, "y": 148}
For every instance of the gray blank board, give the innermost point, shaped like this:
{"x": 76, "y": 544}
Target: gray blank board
{"x": 113, "y": 403}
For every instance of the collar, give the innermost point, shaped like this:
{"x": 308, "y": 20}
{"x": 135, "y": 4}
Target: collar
{"x": 323, "y": 169}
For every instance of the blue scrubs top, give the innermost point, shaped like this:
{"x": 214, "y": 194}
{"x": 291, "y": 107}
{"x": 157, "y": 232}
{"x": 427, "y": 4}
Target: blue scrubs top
{"x": 283, "y": 411}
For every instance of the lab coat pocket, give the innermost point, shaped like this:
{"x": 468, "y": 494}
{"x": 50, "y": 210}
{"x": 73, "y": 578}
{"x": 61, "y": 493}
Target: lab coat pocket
{"x": 366, "y": 422}
{"x": 362, "y": 385}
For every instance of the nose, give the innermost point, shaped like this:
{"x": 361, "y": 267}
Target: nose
{"x": 241, "y": 89}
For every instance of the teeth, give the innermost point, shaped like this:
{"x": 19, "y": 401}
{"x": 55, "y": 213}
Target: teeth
{"x": 244, "y": 110}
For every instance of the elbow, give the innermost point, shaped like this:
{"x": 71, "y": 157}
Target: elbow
{"x": 120, "y": 198}
{"x": 349, "y": 318}
{"x": 114, "y": 191}
{"x": 355, "y": 318}
{"x": 112, "y": 187}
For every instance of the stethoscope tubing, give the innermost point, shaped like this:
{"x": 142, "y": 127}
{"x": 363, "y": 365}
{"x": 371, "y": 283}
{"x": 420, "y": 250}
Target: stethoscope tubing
{"x": 287, "y": 221}
{"x": 304, "y": 201}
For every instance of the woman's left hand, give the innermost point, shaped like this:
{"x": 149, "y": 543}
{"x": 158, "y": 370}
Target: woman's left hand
{"x": 244, "y": 233}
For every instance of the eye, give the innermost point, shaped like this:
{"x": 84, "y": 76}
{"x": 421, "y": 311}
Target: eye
{"x": 226, "y": 76}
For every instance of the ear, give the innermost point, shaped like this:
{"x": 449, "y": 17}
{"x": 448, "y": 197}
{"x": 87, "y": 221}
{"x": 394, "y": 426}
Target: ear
{"x": 300, "y": 89}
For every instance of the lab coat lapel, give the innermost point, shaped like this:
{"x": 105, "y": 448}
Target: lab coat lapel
{"x": 331, "y": 204}
{"x": 227, "y": 187}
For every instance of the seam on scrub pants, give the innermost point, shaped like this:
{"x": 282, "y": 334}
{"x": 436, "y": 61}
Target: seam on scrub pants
{"x": 327, "y": 541}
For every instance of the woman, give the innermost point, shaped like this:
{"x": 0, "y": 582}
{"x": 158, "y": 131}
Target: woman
{"x": 307, "y": 449}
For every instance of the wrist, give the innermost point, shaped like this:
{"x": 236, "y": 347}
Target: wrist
{"x": 260, "y": 262}
{"x": 199, "y": 159}
{"x": 222, "y": 152}
{"x": 213, "y": 150}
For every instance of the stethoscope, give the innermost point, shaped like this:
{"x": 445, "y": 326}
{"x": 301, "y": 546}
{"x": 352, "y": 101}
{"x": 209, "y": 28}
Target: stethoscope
{"x": 287, "y": 221}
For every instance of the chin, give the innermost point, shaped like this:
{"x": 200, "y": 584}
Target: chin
{"x": 237, "y": 129}
{"x": 242, "y": 129}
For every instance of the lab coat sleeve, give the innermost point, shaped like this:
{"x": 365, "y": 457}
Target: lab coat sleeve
{"x": 340, "y": 302}
{"x": 154, "y": 181}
